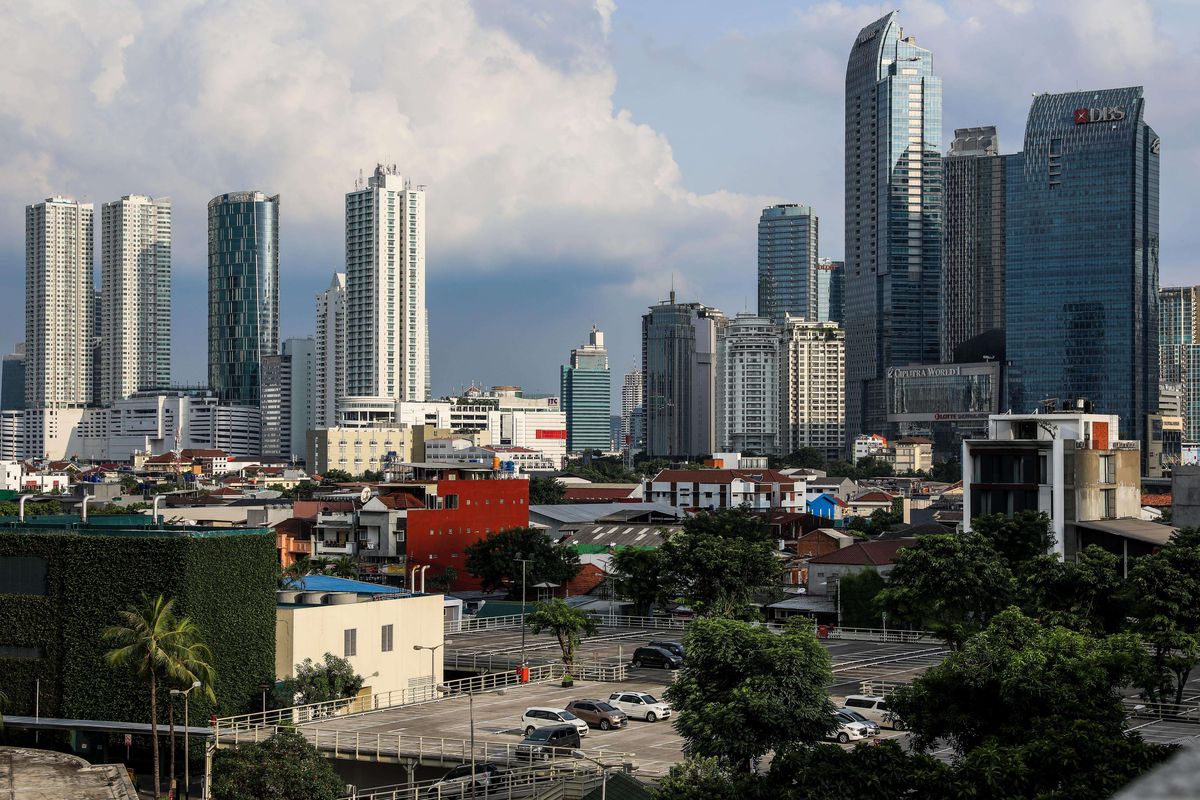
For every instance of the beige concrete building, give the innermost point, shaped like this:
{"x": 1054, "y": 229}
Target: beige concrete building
{"x": 357, "y": 450}
{"x": 374, "y": 632}
{"x": 912, "y": 454}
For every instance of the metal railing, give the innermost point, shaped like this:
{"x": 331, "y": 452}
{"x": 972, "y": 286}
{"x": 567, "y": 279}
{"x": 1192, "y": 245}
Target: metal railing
{"x": 361, "y": 745}
{"x": 880, "y": 661}
{"x": 878, "y": 688}
{"x": 511, "y": 784}
{"x": 1174, "y": 712}
{"x": 467, "y": 624}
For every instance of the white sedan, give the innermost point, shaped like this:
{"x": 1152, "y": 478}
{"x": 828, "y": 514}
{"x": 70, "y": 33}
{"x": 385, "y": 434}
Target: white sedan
{"x": 639, "y": 705}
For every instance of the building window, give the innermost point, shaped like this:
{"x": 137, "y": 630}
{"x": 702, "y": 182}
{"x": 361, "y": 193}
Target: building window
{"x": 451, "y": 501}
{"x": 1108, "y": 469}
{"x": 1110, "y": 503}
{"x": 385, "y": 644}
{"x": 350, "y": 642}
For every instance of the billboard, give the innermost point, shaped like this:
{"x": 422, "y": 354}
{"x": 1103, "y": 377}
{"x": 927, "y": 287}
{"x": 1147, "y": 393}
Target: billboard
{"x": 963, "y": 393}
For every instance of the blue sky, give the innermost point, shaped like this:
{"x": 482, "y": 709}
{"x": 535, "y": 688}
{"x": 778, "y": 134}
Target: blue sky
{"x": 579, "y": 155}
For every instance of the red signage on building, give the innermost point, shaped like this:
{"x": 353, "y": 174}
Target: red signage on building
{"x": 542, "y": 433}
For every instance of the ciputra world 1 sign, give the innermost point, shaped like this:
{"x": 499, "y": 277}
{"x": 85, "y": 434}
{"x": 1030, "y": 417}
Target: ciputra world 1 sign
{"x": 1085, "y": 116}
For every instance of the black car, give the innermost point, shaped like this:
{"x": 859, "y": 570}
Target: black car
{"x": 655, "y": 657}
{"x": 457, "y": 782}
{"x": 675, "y": 648}
{"x": 552, "y": 741}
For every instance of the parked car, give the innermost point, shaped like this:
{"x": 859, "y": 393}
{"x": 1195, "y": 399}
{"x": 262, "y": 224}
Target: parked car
{"x": 674, "y": 648}
{"x": 541, "y": 716}
{"x": 854, "y": 716}
{"x": 655, "y": 657}
{"x": 552, "y": 741}
{"x": 640, "y": 705}
{"x": 848, "y": 729}
{"x": 874, "y": 709}
{"x": 598, "y": 713}
{"x": 457, "y": 782}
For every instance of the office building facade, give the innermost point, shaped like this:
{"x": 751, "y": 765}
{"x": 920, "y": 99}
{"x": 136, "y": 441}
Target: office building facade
{"x": 748, "y": 356}
{"x": 59, "y": 303}
{"x": 787, "y": 262}
{"x": 387, "y": 349}
{"x": 135, "y": 296}
{"x": 831, "y": 291}
{"x": 586, "y": 393}
{"x": 1179, "y": 355}
{"x": 973, "y": 238}
{"x": 893, "y": 202}
{"x": 813, "y": 387}
{"x": 243, "y": 292}
{"x": 12, "y": 380}
{"x": 679, "y": 374}
{"x": 1082, "y": 257}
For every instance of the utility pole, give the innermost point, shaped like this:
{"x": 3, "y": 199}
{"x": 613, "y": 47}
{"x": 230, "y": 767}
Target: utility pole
{"x": 524, "y": 561}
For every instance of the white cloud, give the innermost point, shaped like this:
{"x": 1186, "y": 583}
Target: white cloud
{"x": 525, "y": 157}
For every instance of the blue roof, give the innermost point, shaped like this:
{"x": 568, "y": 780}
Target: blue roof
{"x": 328, "y": 583}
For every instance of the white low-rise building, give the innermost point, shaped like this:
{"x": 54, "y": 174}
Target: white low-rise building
{"x": 761, "y": 490}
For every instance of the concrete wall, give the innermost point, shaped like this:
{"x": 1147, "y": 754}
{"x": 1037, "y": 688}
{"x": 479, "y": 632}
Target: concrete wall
{"x": 1185, "y": 497}
{"x": 312, "y": 631}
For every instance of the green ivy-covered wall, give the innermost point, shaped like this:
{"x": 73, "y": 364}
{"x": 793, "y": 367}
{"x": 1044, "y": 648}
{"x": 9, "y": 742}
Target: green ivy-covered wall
{"x": 223, "y": 579}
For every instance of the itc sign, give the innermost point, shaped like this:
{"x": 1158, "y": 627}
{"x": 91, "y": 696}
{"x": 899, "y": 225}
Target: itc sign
{"x": 1085, "y": 116}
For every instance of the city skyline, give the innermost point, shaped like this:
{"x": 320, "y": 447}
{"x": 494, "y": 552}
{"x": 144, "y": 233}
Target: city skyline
{"x": 702, "y": 228}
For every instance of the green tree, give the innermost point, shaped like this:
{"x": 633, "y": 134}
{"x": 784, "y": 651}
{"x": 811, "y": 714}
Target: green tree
{"x": 949, "y": 471}
{"x": 703, "y": 778}
{"x": 804, "y": 458}
{"x": 333, "y": 678}
{"x": 745, "y": 691}
{"x": 859, "y": 598}
{"x": 345, "y": 567}
{"x": 493, "y": 560}
{"x": 952, "y": 583}
{"x": 831, "y": 773}
{"x": 1086, "y": 594}
{"x": 1017, "y": 539}
{"x": 1166, "y": 591}
{"x": 720, "y": 561}
{"x": 1017, "y": 679}
{"x": 638, "y": 574}
{"x": 284, "y": 767}
{"x": 332, "y": 476}
{"x": 445, "y": 580}
{"x": 161, "y": 649}
{"x": 567, "y": 624}
{"x": 546, "y": 491}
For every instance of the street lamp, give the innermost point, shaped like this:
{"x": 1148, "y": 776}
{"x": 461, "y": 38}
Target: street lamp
{"x": 187, "y": 770}
{"x": 433, "y": 648}
{"x": 604, "y": 768}
{"x": 444, "y": 689}
{"x": 523, "y": 561}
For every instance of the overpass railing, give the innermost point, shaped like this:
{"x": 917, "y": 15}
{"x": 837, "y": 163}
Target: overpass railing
{"x": 503, "y": 786}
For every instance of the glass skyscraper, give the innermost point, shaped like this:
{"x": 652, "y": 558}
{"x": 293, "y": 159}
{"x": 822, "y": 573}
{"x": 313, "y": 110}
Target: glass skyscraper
{"x": 1082, "y": 253}
{"x": 973, "y": 238}
{"x": 831, "y": 291}
{"x": 1179, "y": 352}
{"x": 587, "y": 396}
{"x": 787, "y": 262}
{"x": 893, "y": 215}
{"x": 679, "y": 374}
{"x": 243, "y": 292}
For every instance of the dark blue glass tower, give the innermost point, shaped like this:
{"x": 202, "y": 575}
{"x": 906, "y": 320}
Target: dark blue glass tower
{"x": 243, "y": 292}
{"x": 1082, "y": 252}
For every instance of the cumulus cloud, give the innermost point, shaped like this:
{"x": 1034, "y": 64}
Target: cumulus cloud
{"x": 507, "y": 116}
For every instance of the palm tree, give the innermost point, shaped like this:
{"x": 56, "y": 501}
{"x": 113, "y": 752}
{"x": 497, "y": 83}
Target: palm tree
{"x": 160, "y": 647}
{"x": 345, "y": 567}
{"x": 294, "y": 572}
{"x": 566, "y": 623}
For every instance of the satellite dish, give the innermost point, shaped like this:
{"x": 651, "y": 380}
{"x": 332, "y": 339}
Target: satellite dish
{"x": 365, "y": 494}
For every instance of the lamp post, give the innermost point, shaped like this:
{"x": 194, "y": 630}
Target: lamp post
{"x": 433, "y": 648}
{"x": 523, "y": 561}
{"x": 604, "y": 768}
{"x": 444, "y": 689}
{"x": 187, "y": 770}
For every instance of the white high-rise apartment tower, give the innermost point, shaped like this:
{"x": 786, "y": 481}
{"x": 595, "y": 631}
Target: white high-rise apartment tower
{"x": 748, "y": 354}
{"x": 631, "y": 401}
{"x": 387, "y": 350}
{"x": 58, "y": 303}
{"x": 813, "y": 378}
{"x": 329, "y": 364}
{"x": 135, "y": 292}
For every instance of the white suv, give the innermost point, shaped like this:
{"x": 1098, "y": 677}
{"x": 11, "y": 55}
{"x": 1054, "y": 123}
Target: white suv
{"x": 849, "y": 731}
{"x": 639, "y": 705}
{"x": 541, "y": 716}
{"x": 874, "y": 709}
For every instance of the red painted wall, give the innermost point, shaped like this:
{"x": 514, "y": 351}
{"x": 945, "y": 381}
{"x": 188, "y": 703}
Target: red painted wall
{"x": 439, "y": 537}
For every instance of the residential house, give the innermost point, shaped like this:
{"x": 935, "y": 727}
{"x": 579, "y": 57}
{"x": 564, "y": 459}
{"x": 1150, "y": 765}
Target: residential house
{"x": 825, "y": 571}
{"x": 710, "y": 489}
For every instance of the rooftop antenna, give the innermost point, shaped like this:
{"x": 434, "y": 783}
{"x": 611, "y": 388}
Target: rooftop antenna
{"x": 672, "y": 287}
